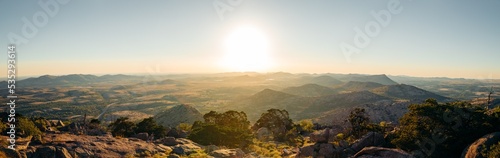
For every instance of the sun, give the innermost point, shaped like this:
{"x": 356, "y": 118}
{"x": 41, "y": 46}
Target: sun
{"x": 246, "y": 49}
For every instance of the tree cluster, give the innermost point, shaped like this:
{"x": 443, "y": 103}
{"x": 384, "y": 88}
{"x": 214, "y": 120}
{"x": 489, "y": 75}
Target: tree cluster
{"x": 231, "y": 129}
{"x": 124, "y": 128}
{"x": 431, "y": 129}
{"x": 281, "y": 126}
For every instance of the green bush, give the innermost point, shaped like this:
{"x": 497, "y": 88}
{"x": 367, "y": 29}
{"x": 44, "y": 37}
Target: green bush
{"x": 185, "y": 127}
{"x": 150, "y": 126}
{"x": 442, "y": 130}
{"x": 277, "y": 121}
{"x": 122, "y": 127}
{"x": 306, "y": 125}
{"x": 3, "y": 126}
{"x": 25, "y": 127}
{"x": 492, "y": 152}
{"x": 231, "y": 129}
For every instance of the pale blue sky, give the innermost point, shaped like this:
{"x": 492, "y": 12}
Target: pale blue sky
{"x": 448, "y": 38}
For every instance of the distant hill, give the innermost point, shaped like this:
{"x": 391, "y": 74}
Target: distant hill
{"x": 382, "y": 79}
{"x": 300, "y": 107}
{"x": 266, "y": 99}
{"x": 354, "y": 86}
{"x": 178, "y": 114}
{"x": 269, "y": 96}
{"x": 407, "y": 92}
{"x": 245, "y": 78}
{"x": 72, "y": 80}
{"x": 50, "y": 80}
{"x": 310, "y": 90}
{"x": 323, "y": 80}
{"x": 328, "y": 103}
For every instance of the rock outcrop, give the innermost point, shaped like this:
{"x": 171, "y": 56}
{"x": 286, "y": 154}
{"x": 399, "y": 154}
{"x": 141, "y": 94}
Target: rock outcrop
{"x": 50, "y": 152}
{"x": 228, "y": 153}
{"x": 380, "y": 152}
{"x": 71, "y": 146}
{"x": 321, "y": 136}
{"x": 322, "y": 147}
{"x": 474, "y": 150}
{"x": 369, "y": 139}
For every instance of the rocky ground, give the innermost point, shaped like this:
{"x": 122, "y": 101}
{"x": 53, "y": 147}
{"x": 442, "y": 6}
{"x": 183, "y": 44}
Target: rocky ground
{"x": 84, "y": 146}
{"x": 65, "y": 145}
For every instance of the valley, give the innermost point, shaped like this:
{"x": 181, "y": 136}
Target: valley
{"x": 324, "y": 98}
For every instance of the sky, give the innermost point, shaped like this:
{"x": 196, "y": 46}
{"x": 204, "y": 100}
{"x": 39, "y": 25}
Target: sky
{"x": 427, "y": 38}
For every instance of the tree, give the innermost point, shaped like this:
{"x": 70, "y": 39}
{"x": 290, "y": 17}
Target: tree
{"x": 122, "y": 127}
{"x": 26, "y": 127}
{"x": 359, "y": 121}
{"x": 431, "y": 129}
{"x": 277, "y": 121}
{"x": 230, "y": 129}
{"x": 150, "y": 126}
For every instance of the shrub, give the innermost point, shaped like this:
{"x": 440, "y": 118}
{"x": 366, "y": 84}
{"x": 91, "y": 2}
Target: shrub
{"x": 277, "y": 121}
{"x": 306, "y": 125}
{"x": 444, "y": 128}
{"x": 185, "y": 127}
{"x": 3, "y": 126}
{"x": 122, "y": 127}
{"x": 26, "y": 127}
{"x": 150, "y": 126}
{"x": 492, "y": 152}
{"x": 229, "y": 129}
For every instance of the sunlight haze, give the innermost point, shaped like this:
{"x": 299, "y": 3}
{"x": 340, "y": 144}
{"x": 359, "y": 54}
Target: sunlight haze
{"x": 420, "y": 38}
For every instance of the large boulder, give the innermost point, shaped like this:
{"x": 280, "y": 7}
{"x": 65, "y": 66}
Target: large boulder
{"x": 168, "y": 141}
{"x": 52, "y": 152}
{"x": 263, "y": 134}
{"x": 186, "y": 147}
{"x": 380, "y": 152}
{"x": 179, "y": 150}
{"x": 10, "y": 153}
{"x": 182, "y": 134}
{"x": 228, "y": 153}
{"x": 321, "y": 136}
{"x": 369, "y": 139}
{"x": 474, "y": 150}
{"x": 326, "y": 150}
{"x": 62, "y": 152}
{"x": 45, "y": 152}
{"x": 142, "y": 136}
{"x": 307, "y": 151}
{"x": 173, "y": 133}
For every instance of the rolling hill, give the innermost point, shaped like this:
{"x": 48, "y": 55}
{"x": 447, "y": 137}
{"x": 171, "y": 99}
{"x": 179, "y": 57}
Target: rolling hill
{"x": 328, "y": 103}
{"x": 353, "y": 86}
{"x": 266, "y": 99}
{"x": 407, "y": 92}
{"x": 72, "y": 80}
{"x": 323, "y": 80}
{"x": 178, "y": 114}
{"x": 382, "y": 79}
{"x": 310, "y": 90}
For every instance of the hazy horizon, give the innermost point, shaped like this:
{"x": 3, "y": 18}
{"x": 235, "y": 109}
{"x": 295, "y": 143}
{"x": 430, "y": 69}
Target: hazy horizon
{"x": 246, "y": 73}
{"x": 455, "y": 39}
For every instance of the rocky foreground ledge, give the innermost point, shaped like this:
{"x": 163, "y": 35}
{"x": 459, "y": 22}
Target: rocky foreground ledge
{"x": 83, "y": 146}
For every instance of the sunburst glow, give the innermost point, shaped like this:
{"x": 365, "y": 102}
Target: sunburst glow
{"x": 246, "y": 49}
